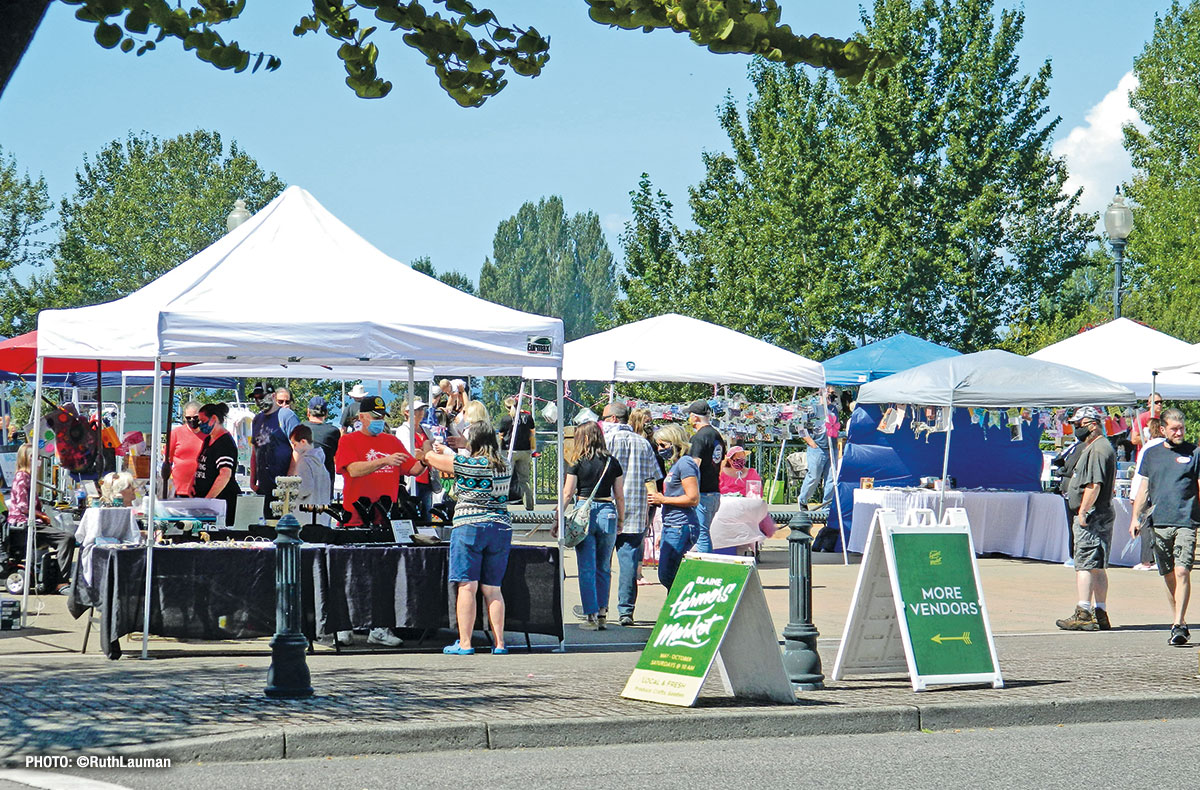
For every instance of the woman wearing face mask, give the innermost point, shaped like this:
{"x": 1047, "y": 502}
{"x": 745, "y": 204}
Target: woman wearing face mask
{"x": 735, "y": 473}
{"x": 218, "y": 459}
{"x": 679, "y": 497}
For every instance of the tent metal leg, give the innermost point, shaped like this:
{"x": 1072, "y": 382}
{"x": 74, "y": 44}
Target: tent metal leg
{"x": 151, "y": 502}
{"x": 562, "y": 568}
{"x": 31, "y": 521}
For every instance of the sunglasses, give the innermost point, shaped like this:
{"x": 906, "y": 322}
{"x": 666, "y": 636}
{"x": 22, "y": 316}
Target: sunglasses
{"x": 193, "y": 421}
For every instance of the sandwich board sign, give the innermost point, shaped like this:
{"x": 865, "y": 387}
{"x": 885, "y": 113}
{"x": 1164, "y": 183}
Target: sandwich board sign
{"x": 918, "y": 604}
{"x": 715, "y": 612}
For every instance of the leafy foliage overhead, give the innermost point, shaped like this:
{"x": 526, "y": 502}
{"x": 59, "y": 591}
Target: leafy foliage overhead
{"x": 468, "y": 48}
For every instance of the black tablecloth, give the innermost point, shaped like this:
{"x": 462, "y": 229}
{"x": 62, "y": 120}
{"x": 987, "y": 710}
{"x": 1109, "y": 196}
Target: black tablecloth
{"x": 209, "y": 593}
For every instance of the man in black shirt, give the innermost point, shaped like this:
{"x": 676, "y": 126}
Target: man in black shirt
{"x": 324, "y": 435}
{"x": 522, "y": 451}
{"x": 1172, "y": 489}
{"x": 708, "y": 450}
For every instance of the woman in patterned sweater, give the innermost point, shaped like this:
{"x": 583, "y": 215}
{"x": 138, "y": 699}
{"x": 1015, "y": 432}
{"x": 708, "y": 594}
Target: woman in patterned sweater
{"x": 482, "y": 534}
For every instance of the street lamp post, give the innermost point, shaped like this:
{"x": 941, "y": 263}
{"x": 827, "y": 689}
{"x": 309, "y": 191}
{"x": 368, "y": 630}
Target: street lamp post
{"x": 1118, "y": 221}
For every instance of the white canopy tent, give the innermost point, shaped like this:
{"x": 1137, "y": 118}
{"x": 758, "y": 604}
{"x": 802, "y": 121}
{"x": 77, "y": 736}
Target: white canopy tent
{"x": 255, "y": 297}
{"x": 993, "y": 380}
{"x": 1132, "y": 355}
{"x": 677, "y": 348}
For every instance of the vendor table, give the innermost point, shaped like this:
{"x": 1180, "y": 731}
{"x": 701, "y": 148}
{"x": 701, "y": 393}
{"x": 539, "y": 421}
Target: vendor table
{"x": 1016, "y": 523}
{"x": 220, "y": 592}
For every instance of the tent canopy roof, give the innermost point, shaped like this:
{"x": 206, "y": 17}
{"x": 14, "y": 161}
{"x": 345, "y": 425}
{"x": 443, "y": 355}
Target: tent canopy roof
{"x": 882, "y": 358}
{"x": 995, "y": 379}
{"x": 1129, "y": 353}
{"x": 18, "y": 355}
{"x": 255, "y": 296}
{"x": 677, "y": 348}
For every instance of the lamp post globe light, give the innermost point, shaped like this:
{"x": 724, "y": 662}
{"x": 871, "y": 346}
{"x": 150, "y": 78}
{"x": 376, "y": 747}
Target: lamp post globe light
{"x": 237, "y": 216}
{"x": 1118, "y": 222}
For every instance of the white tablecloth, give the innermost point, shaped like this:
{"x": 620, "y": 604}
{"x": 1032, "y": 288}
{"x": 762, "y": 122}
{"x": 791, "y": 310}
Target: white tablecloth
{"x": 736, "y": 522}
{"x": 113, "y": 523}
{"x": 1016, "y": 523}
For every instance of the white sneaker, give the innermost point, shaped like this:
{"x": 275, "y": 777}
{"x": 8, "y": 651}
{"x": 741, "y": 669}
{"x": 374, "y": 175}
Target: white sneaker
{"x": 345, "y": 638}
{"x": 384, "y": 638}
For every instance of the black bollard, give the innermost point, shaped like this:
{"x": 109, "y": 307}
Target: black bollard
{"x": 800, "y": 657}
{"x": 288, "y": 677}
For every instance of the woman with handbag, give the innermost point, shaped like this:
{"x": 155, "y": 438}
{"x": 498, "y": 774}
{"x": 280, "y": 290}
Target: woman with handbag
{"x": 482, "y": 536}
{"x": 679, "y": 498}
{"x": 597, "y": 476}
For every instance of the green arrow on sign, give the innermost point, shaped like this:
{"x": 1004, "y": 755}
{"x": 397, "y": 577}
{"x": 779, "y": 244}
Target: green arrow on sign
{"x": 965, "y": 638}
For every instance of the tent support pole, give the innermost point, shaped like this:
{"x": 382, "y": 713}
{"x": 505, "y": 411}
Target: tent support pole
{"x": 946, "y": 460}
{"x": 99, "y": 423}
{"x": 558, "y": 513}
{"x": 151, "y": 502}
{"x": 34, "y": 470}
{"x": 412, "y": 425}
{"x": 512, "y": 439}
{"x": 121, "y": 417}
{"x": 783, "y": 444}
{"x": 170, "y": 426}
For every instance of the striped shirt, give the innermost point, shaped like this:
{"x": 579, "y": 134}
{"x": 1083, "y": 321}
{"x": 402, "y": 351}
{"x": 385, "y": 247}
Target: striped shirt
{"x": 481, "y": 493}
{"x": 636, "y": 457}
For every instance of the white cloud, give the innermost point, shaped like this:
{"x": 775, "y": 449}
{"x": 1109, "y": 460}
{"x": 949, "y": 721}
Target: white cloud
{"x": 1095, "y": 151}
{"x": 615, "y": 223}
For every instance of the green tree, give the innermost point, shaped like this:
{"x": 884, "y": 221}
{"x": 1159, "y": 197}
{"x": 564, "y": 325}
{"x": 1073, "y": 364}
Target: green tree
{"x": 929, "y": 203}
{"x": 24, "y": 206}
{"x": 452, "y": 278}
{"x": 1164, "y": 248}
{"x": 142, "y": 206}
{"x": 548, "y": 263}
{"x": 468, "y": 47}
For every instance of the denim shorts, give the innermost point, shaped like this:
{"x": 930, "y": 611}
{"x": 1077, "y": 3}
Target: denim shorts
{"x": 479, "y": 552}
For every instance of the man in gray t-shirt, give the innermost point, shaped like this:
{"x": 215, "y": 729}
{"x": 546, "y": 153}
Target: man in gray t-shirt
{"x": 1089, "y": 497}
{"x": 1172, "y": 490}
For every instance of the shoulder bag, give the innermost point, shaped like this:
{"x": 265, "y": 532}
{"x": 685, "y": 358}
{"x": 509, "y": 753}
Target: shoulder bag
{"x": 578, "y": 515}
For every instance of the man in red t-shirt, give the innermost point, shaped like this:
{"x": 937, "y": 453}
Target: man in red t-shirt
{"x": 371, "y": 460}
{"x": 185, "y": 451}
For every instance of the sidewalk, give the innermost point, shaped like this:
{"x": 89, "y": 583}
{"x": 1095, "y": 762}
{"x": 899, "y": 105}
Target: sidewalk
{"x": 204, "y": 701}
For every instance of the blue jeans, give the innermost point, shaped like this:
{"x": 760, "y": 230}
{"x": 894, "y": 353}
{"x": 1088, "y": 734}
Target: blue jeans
{"x": 819, "y": 466}
{"x": 676, "y": 541}
{"x": 629, "y": 554}
{"x": 710, "y": 503}
{"x": 594, "y": 555}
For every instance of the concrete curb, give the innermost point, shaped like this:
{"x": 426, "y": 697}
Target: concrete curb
{"x": 287, "y": 742}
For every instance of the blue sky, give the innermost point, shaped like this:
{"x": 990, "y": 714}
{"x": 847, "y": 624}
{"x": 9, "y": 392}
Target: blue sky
{"x": 417, "y": 175}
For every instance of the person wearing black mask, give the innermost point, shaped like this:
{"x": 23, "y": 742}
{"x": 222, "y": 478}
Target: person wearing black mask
{"x": 217, "y": 461}
{"x": 1090, "y": 498}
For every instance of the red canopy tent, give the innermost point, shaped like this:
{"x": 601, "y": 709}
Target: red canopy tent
{"x": 19, "y": 355}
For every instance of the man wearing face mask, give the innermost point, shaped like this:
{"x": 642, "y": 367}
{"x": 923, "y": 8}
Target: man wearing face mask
{"x": 371, "y": 460}
{"x": 1089, "y": 496}
{"x": 270, "y": 447}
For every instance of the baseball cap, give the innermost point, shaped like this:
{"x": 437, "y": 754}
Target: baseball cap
{"x": 373, "y": 405}
{"x": 416, "y": 404}
{"x": 698, "y": 407}
{"x": 317, "y": 405}
{"x": 737, "y": 449}
{"x": 1086, "y": 413}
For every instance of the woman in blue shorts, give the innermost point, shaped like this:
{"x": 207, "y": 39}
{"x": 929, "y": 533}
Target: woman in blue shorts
{"x": 482, "y": 534}
{"x": 679, "y": 497}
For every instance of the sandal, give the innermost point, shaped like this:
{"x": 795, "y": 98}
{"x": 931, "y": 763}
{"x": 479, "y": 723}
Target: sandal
{"x": 456, "y": 650}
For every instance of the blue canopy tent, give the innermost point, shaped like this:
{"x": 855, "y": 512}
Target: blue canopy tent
{"x": 882, "y": 358}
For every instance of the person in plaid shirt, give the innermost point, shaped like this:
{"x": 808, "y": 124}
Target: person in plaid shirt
{"x": 636, "y": 457}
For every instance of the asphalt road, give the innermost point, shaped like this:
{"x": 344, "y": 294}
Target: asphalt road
{"x": 1121, "y": 754}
